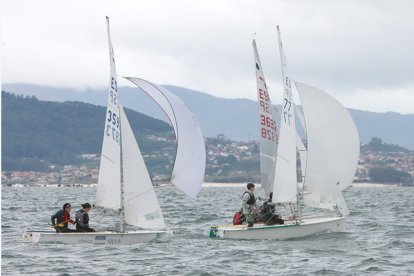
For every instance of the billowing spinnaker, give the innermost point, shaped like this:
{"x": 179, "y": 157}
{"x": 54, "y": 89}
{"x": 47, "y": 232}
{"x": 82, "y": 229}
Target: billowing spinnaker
{"x": 190, "y": 162}
{"x": 285, "y": 184}
{"x": 108, "y": 193}
{"x": 141, "y": 205}
{"x": 332, "y": 142}
{"x": 268, "y": 129}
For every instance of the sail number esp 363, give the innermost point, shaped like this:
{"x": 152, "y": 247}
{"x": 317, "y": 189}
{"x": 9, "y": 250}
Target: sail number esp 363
{"x": 268, "y": 125}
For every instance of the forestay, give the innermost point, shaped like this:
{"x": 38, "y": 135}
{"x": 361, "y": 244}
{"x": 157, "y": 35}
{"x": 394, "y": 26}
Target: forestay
{"x": 141, "y": 205}
{"x": 332, "y": 143}
{"x": 268, "y": 129}
{"x": 300, "y": 146}
{"x": 302, "y": 154}
{"x": 285, "y": 184}
{"x": 190, "y": 160}
{"x": 108, "y": 193}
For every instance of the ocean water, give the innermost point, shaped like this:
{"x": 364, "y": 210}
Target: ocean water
{"x": 379, "y": 239}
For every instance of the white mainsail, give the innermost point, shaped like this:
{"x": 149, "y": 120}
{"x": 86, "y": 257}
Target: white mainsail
{"x": 108, "y": 193}
{"x": 141, "y": 205}
{"x": 332, "y": 147}
{"x": 190, "y": 160}
{"x": 285, "y": 183}
{"x": 268, "y": 129}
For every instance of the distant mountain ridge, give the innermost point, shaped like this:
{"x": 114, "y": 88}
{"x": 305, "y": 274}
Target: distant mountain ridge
{"x": 235, "y": 118}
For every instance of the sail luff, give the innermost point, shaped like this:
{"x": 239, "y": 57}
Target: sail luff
{"x": 285, "y": 188}
{"x": 108, "y": 193}
{"x": 268, "y": 129}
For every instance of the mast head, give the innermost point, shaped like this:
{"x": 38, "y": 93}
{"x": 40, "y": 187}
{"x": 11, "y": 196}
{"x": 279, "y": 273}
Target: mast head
{"x": 277, "y": 27}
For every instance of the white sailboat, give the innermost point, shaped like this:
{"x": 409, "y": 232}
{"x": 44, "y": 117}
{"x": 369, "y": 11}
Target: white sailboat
{"x": 124, "y": 184}
{"x": 328, "y": 165}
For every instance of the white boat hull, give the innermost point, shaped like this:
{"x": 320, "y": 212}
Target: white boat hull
{"x": 289, "y": 230}
{"x": 91, "y": 237}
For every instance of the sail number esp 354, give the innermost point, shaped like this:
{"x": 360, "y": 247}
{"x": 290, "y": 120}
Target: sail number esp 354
{"x": 112, "y": 121}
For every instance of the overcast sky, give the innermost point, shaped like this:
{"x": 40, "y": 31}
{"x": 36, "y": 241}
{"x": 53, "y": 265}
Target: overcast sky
{"x": 359, "y": 51}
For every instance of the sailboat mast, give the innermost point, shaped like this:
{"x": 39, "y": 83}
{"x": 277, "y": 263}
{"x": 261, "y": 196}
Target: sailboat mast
{"x": 122, "y": 209}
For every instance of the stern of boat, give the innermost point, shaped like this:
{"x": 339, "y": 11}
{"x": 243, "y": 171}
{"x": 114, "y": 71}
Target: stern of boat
{"x": 213, "y": 232}
{"x": 29, "y": 236}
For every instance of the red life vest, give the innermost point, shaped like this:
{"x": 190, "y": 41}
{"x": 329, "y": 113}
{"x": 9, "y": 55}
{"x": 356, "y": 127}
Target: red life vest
{"x": 236, "y": 219}
{"x": 66, "y": 216}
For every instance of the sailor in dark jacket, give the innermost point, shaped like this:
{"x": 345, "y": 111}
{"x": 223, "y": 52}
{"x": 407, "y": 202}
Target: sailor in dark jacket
{"x": 62, "y": 218}
{"x": 267, "y": 214}
{"x": 82, "y": 219}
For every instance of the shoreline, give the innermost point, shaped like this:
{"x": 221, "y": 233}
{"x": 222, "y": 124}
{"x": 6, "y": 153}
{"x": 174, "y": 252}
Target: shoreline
{"x": 204, "y": 185}
{"x": 354, "y": 185}
{"x": 372, "y": 185}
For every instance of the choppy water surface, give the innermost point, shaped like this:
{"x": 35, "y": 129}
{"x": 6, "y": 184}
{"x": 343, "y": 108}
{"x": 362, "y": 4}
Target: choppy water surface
{"x": 379, "y": 239}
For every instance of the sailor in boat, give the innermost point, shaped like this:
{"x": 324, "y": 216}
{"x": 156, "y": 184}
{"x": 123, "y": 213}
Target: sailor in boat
{"x": 61, "y": 219}
{"x": 82, "y": 219}
{"x": 268, "y": 213}
{"x": 249, "y": 204}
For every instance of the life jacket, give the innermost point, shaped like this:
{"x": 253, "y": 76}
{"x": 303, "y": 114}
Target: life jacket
{"x": 85, "y": 217}
{"x": 62, "y": 216}
{"x": 252, "y": 199}
{"x": 266, "y": 212}
{"x": 237, "y": 219}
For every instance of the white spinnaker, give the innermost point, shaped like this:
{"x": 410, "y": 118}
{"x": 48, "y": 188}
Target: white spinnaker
{"x": 333, "y": 141}
{"x": 108, "y": 193}
{"x": 190, "y": 161}
{"x": 141, "y": 205}
{"x": 285, "y": 186}
{"x": 332, "y": 144}
{"x": 268, "y": 129}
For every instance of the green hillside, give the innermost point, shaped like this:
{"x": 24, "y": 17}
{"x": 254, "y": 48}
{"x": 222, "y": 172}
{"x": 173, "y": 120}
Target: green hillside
{"x": 57, "y": 133}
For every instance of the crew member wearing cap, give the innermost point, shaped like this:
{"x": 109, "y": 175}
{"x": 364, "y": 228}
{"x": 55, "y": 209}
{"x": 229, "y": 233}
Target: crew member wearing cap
{"x": 62, "y": 218}
{"x": 82, "y": 219}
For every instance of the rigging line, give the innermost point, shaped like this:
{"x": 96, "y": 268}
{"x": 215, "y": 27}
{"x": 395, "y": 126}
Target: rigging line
{"x": 113, "y": 161}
